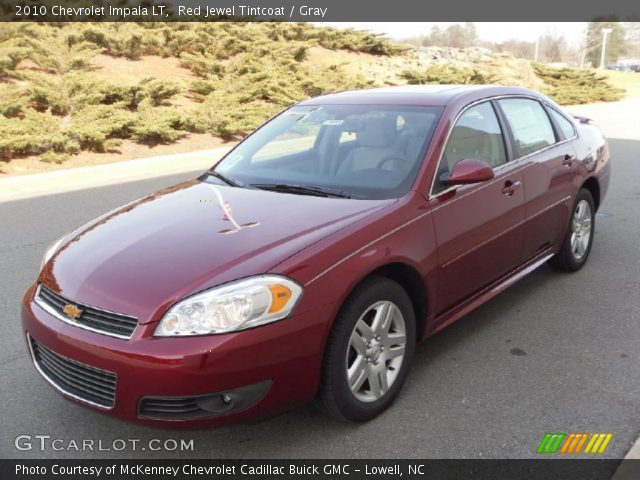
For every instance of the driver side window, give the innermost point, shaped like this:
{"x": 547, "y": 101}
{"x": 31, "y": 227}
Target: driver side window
{"x": 477, "y": 135}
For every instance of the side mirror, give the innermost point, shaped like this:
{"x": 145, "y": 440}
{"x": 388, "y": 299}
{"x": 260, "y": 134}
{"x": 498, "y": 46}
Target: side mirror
{"x": 469, "y": 170}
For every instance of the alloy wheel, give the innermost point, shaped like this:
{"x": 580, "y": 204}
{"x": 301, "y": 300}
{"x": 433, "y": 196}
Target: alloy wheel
{"x": 376, "y": 351}
{"x": 581, "y": 229}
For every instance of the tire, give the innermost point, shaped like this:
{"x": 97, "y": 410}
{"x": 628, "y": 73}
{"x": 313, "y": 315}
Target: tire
{"x": 578, "y": 240}
{"x": 348, "y": 349}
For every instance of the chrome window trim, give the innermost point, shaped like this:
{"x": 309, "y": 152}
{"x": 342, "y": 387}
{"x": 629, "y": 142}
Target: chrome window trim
{"x": 62, "y": 390}
{"x": 433, "y": 195}
{"x": 68, "y": 321}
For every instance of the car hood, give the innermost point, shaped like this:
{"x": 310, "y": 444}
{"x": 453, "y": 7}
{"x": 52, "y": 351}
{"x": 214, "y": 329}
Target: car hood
{"x": 144, "y": 256}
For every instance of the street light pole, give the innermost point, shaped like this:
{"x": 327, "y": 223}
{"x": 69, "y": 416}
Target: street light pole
{"x": 605, "y": 32}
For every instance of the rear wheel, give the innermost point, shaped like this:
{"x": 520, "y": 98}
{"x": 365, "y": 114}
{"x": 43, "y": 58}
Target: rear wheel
{"x": 579, "y": 237}
{"x": 368, "y": 352}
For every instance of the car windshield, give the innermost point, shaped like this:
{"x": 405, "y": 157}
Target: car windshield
{"x": 354, "y": 151}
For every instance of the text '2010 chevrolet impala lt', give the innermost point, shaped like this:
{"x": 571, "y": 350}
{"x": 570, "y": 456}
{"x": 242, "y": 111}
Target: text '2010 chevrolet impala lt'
{"x": 310, "y": 261}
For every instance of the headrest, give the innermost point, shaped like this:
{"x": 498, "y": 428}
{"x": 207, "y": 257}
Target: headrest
{"x": 467, "y": 141}
{"x": 376, "y": 131}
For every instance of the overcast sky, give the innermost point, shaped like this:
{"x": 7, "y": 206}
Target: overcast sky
{"x": 493, "y": 31}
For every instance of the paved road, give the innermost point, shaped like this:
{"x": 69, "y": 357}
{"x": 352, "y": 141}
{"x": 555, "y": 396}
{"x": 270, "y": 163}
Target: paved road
{"x": 556, "y": 352}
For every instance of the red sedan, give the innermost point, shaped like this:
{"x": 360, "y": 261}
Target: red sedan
{"x": 314, "y": 256}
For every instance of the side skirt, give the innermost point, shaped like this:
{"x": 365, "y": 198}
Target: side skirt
{"x": 455, "y": 313}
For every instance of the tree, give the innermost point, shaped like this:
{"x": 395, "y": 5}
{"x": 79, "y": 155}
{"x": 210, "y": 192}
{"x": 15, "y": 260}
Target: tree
{"x": 456, "y": 36}
{"x": 632, "y": 39}
{"x": 615, "y": 47}
{"x": 435, "y": 37}
{"x": 552, "y": 48}
{"x": 518, "y": 48}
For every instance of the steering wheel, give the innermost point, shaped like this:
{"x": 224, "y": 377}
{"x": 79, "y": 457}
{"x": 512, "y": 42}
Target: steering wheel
{"x": 391, "y": 158}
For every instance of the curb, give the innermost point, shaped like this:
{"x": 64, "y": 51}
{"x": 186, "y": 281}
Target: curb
{"x": 629, "y": 470}
{"x": 80, "y": 178}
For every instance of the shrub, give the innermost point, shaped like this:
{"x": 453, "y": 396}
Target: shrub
{"x": 202, "y": 65}
{"x": 216, "y": 117}
{"x": 13, "y": 101}
{"x": 447, "y": 74}
{"x": 95, "y": 125}
{"x": 158, "y": 125}
{"x": 34, "y": 134}
{"x": 62, "y": 94}
{"x": 159, "y": 91}
{"x": 569, "y": 86}
{"x": 11, "y": 54}
{"x": 58, "y": 53}
{"x": 53, "y": 157}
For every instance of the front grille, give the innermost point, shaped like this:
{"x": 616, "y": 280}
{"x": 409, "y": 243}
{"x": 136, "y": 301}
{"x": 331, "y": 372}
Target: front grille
{"x": 85, "y": 383}
{"x": 91, "y": 318}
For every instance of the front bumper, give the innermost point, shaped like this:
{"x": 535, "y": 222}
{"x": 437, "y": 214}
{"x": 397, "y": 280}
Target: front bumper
{"x": 264, "y": 371}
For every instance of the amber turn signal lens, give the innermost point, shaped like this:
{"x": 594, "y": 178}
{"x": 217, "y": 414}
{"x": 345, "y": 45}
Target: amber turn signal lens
{"x": 280, "y": 295}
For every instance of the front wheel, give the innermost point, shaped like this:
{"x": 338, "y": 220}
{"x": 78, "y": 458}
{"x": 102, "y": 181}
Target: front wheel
{"x": 578, "y": 240}
{"x": 368, "y": 352}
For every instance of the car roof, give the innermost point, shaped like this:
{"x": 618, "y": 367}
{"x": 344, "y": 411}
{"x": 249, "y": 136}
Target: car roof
{"x": 435, "y": 95}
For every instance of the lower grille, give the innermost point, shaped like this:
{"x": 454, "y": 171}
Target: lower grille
{"x": 198, "y": 406}
{"x": 88, "y": 384}
{"x": 171, "y": 408}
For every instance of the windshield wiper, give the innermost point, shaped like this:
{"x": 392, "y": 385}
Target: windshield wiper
{"x": 302, "y": 189}
{"x": 228, "y": 180}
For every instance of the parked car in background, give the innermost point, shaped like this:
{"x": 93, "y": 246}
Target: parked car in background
{"x": 625, "y": 67}
{"x": 310, "y": 261}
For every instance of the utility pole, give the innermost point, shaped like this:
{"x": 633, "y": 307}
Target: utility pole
{"x": 536, "y": 53}
{"x": 605, "y": 32}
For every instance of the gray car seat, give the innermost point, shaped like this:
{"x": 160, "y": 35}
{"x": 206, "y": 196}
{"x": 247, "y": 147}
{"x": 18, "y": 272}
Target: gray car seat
{"x": 376, "y": 141}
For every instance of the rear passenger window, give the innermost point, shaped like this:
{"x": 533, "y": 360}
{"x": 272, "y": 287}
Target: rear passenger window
{"x": 565, "y": 125}
{"x": 530, "y": 125}
{"x": 476, "y": 135}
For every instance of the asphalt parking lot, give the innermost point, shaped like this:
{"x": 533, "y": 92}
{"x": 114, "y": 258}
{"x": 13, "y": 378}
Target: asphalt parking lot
{"x": 555, "y": 353}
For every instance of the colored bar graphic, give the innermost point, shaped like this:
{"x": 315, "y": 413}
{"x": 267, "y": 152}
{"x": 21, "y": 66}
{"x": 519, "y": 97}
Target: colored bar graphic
{"x": 552, "y": 442}
{"x": 574, "y": 443}
{"x": 598, "y": 443}
{"x": 569, "y": 443}
{"x": 581, "y": 443}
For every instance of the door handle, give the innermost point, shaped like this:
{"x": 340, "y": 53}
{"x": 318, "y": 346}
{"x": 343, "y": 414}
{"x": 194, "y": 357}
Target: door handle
{"x": 510, "y": 187}
{"x": 568, "y": 160}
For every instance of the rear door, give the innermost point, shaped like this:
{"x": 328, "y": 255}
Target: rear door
{"x": 542, "y": 141}
{"x": 478, "y": 226}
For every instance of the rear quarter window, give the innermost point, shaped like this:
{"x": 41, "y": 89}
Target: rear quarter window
{"x": 566, "y": 127}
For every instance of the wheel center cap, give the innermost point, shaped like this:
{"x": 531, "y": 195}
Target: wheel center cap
{"x": 375, "y": 350}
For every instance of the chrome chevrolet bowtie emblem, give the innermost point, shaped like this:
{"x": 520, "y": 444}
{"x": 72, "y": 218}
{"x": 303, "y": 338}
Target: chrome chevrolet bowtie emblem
{"x": 72, "y": 311}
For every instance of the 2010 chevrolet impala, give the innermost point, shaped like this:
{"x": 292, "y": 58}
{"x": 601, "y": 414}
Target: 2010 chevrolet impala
{"x": 315, "y": 255}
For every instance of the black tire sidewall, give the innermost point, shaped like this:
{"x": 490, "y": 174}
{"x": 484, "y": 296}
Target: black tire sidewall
{"x": 372, "y": 291}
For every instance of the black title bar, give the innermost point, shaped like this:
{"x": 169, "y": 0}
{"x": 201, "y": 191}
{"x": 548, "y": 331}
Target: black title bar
{"x": 543, "y": 469}
{"x": 318, "y": 10}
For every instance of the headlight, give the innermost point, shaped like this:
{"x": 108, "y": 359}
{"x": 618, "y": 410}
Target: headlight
{"x": 235, "y": 306}
{"x": 50, "y": 251}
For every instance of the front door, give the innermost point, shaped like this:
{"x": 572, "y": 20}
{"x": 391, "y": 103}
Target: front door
{"x": 479, "y": 226}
